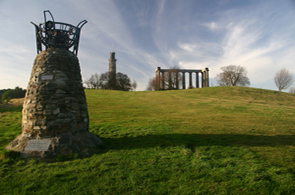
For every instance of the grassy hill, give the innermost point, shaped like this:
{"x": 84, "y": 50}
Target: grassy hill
{"x": 217, "y": 140}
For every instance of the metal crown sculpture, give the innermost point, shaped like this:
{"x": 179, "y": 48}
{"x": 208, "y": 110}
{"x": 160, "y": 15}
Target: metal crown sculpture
{"x": 57, "y": 34}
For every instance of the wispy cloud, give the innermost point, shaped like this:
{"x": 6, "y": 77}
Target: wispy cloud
{"x": 146, "y": 34}
{"x": 250, "y": 41}
{"x": 213, "y": 26}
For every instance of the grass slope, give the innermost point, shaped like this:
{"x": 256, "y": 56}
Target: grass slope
{"x": 225, "y": 140}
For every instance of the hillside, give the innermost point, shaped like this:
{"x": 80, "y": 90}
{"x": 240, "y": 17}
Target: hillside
{"x": 230, "y": 140}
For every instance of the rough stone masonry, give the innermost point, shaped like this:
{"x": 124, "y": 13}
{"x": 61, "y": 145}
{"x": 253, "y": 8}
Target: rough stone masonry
{"x": 55, "y": 117}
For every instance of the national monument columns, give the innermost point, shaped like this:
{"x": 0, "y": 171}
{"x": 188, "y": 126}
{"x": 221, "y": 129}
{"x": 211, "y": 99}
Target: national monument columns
{"x": 160, "y": 75}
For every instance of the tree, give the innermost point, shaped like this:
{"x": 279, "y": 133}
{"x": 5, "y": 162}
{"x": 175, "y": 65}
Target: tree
{"x": 104, "y": 81}
{"x": 7, "y": 94}
{"x": 93, "y": 81}
{"x": 134, "y": 85}
{"x": 233, "y": 75}
{"x": 152, "y": 85}
{"x": 17, "y": 92}
{"x": 283, "y": 79}
{"x": 123, "y": 82}
{"x": 171, "y": 78}
{"x": 292, "y": 90}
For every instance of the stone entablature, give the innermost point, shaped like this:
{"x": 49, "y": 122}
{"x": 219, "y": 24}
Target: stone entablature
{"x": 204, "y": 77}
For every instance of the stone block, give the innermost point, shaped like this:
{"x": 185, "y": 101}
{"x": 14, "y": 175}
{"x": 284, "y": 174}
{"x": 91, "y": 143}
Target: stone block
{"x": 61, "y": 115}
{"x": 75, "y": 148}
{"x": 59, "y": 91}
{"x": 67, "y": 120}
{"x": 44, "y": 127}
{"x": 39, "y": 107}
{"x": 50, "y": 106}
{"x": 56, "y": 111}
{"x": 65, "y": 150}
{"x": 64, "y": 140}
{"x": 47, "y": 112}
{"x": 36, "y": 128}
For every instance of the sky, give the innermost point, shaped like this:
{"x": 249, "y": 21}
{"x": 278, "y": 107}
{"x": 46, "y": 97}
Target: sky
{"x": 145, "y": 34}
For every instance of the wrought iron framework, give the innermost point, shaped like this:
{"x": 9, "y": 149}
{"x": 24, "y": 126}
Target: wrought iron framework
{"x": 57, "y": 34}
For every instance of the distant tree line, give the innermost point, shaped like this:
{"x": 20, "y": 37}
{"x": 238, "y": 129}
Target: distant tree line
{"x": 123, "y": 82}
{"x": 7, "y": 94}
{"x": 234, "y": 75}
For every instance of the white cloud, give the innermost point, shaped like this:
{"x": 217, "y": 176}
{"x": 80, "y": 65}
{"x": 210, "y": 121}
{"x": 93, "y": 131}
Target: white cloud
{"x": 187, "y": 47}
{"x": 213, "y": 26}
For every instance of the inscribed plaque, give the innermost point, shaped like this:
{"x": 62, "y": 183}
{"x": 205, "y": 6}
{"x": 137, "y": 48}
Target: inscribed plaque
{"x": 46, "y": 77}
{"x": 38, "y": 145}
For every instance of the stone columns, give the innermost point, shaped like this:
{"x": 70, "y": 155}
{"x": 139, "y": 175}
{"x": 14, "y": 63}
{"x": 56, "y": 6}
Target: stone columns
{"x": 163, "y": 80}
{"x": 205, "y": 77}
{"x": 190, "y": 80}
{"x": 202, "y": 78}
{"x": 197, "y": 80}
{"x": 183, "y": 80}
{"x": 177, "y": 82}
{"x": 158, "y": 78}
{"x": 169, "y": 80}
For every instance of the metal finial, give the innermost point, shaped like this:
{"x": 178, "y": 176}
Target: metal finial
{"x": 57, "y": 34}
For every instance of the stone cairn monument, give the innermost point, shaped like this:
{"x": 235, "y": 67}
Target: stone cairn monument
{"x": 55, "y": 117}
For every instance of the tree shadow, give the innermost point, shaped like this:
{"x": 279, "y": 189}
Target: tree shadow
{"x": 194, "y": 140}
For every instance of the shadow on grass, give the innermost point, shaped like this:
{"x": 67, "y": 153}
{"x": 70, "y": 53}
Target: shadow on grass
{"x": 193, "y": 140}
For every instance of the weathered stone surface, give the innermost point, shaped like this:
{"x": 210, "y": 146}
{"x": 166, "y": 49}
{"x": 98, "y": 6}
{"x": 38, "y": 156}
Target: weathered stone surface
{"x": 83, "y": 143}
{"x": 55, "y": 107}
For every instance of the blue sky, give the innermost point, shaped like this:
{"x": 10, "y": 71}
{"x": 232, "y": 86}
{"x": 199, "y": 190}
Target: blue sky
{"x": 145, "y": 34}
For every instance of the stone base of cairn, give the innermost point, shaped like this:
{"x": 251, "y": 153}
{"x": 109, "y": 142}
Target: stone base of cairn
{"x": 55, "y": 111}
{"x": 83, "y": 144}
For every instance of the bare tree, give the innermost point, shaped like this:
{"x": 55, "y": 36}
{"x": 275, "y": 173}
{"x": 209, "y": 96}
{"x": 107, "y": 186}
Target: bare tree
{"x": 123, "y": 82}
{"x": 104, "y": 81}
{"x": 283, "y": 79}
{"x": 233, "y": 75}
{"x": 134, "y": 85}
{"x": 152, "y": 85}
{"x": 292, "y": 90}
{"x": 93, "y": 82}
{"x": 171, "y": 78}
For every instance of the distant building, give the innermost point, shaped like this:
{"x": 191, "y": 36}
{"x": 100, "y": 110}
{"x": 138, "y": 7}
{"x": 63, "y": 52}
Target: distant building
{"x": 112, "y": 70}
{"x": 160, "y": 77}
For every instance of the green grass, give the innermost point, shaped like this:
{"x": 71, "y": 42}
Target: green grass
{"x": 217, "y": 140}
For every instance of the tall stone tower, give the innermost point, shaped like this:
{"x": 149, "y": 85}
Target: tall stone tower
{"x": 112, "y": 70}
{"x": 55, "y": 117}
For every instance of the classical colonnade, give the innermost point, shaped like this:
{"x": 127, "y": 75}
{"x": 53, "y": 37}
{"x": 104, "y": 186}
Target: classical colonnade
{"x": 160, "y": 74}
